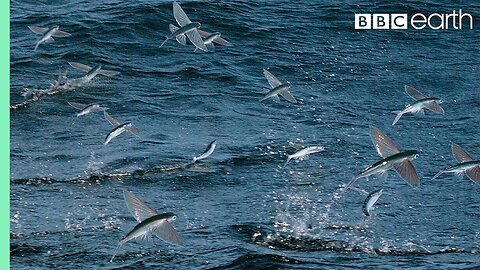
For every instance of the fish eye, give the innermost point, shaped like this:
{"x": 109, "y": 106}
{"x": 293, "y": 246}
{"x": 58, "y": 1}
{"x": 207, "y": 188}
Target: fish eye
{"x": 440, "y": 101}
{"x": 415, "y": 156}
{"x": 174, "y": 217}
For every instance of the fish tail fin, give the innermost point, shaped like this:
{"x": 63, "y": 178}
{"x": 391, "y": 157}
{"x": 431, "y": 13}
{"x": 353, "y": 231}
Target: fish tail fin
{"x": 437, "y": 175}
{"x": 36, "y": 46}
{"x": 354, "y": 178}
{"x": 163, "y": 42}
{"x": 399, "y": 115}
{"x": 194, "y": 160}
{"x": 116, "y": 250}
{"x": 288, "y": 160}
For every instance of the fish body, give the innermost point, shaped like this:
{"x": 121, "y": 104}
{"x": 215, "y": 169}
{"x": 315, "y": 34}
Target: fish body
{"x": 184, "y": 29}
{"x": 304, "y": 153}
{"x": 187, "y": 28}
{"x": 47, "y": 34}
{"x": 422, "y": 102}
{"x": 91, "y": 73}
{"x": 393, "y": 158}
{"x": 118, "y": 128}
{"x": 386, "y": 164}
{"x": 277, "y": 88}
{"x": 466, "y": 165}
{"x": 219, "y": 40}
{"x": 371, "y": 200}
{"x": 148, "y": 222}
{"x": 86, "y": 109}
{"x": 212, "y": 37}
{"x": 148, "y": 225}
{"x": 208, "y": 151}
{"x": 117, "y": 131}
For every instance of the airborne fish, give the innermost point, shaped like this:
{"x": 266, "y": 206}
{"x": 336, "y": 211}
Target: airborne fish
{"x": 209, "y": 40}
{"x": 219, "y": 40}
{"x": 86, "y": 109}
{"x": 304, "y": 153}
{"x": 422, "y": 102}
{"x": 208, "y": 151}
{"x": 47, "y": 33}
{"x": 149, "y": 222}
{"x": 466, "y": 164}
{"x": 187, "y": 28}
{"x": 371, "y": 200}
{"x": 119, "y": 128}
{"x": 392, "y": 159}
{"x": 91, "y": 73}
{"x": 277, "y": 88}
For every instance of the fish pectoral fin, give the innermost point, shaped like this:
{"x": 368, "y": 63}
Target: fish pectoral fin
{"x": 287, "y": 95}
{"x": 182, "y": 39}
{"x": 173, "y": 28}
{"x": 435, "y": 107}
{"x": 421, "y": 112}
{"x": 460, "y": 154}
{"x": 138, "y": 209}
{"x": 272, "y": 80}
{"x": 407, "y": 171}
{"x": 383, "y": 175}
{"x": 179, "y": 15}
{"x": 276, "y": 98}
{"x": 384, "y": 145}
{"x": 210, "y": 46}
{"x": 37, "y": 30}
{"x": 166, "y": 232}
{"x": 80, "y": 66}
{"x": 133, "y": 130}
{"x": 78, "y": 106}
{"x": 197, "y": 40}
{"x": 110, "y": 119}
{"x": 414, "y": 93}
{"x": 474, "y": 174}
{"x": 109, "y": 73}
{"x": 60, "y": 33}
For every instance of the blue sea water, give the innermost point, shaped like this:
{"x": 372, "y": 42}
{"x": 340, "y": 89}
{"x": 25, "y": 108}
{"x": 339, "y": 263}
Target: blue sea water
{"x": 240, "y": 208}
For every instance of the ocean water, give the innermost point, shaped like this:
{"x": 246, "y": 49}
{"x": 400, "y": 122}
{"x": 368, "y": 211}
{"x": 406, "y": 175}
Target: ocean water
{"x": 240, "y": 208}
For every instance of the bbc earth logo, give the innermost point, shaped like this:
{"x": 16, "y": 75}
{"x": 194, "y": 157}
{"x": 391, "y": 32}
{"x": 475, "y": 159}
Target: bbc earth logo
{"x": 436, "y": 21}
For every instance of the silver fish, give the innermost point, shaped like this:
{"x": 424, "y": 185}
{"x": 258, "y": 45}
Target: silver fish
{"x": 208, "y": 151}
{"x": 47, "y": 33}
{"x": 422, "y": 102}
{"x": 466, "y": 164}
{"x": 86, "y": 109}
{"x": 180, "y": 33}
{"x": 370, "y": 201}
{"x": 277, "y": 88}
{"x": 91, "y": 73}
{"x": 149, "y": 222}
{"x": 186, "y": 27}
{"x": 209, "y": 41}
{"x": 219, "y": 40}
{"x": 392, "y": 159}
{"x": 118, "y": 129}
{"x": 304, "y": 153}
